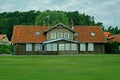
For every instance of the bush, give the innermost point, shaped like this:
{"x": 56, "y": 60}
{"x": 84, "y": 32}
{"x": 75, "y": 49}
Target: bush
{"x": 5, "y": 49}
{"x": 112, "y": 47}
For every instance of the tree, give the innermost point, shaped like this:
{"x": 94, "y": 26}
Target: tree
{"x": 9, "y": 19}
{"x": 114, "y": 30}
{"x": 51, "y": 18}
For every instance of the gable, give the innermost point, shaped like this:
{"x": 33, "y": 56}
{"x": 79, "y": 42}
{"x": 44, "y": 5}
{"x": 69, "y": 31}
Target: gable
{"x": 60, "y": 26}
{"x": 2, "y": 37}
{"x": 29, "y": 34}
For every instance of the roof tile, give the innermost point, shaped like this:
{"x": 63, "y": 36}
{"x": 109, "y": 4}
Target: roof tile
{"x": 26, "y": 34}
{"x": 115, "y": 38}
{"x": 85, "y": 34}
{"x": 107, "y": 34}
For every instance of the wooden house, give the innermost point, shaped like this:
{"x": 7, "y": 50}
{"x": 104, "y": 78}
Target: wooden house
{"x": 58, "y": 39}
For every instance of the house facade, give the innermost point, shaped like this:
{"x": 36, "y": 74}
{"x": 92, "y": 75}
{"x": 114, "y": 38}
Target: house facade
{"x": 59, "y": 39}
{"x": 4, "y": 40}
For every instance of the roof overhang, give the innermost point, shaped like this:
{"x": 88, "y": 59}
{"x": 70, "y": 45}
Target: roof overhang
{"x": 60, "y": 39}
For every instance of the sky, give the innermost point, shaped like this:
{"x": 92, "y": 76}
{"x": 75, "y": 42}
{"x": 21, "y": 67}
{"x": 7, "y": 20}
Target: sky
{"x": 105, "y": 11}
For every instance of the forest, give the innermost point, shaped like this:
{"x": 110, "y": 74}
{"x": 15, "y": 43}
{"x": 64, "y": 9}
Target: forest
{"x": 48, "y": 18}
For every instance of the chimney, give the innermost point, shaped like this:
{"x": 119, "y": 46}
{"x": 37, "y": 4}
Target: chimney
{"x": 43, "y": 23}
{"x": 72, "y": 24}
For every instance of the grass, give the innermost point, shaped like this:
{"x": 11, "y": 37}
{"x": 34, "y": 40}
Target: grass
{"x": 78, "y": 67}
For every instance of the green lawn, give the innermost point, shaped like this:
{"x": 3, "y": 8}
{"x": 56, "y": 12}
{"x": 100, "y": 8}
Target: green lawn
{"x": 78, "y": 67}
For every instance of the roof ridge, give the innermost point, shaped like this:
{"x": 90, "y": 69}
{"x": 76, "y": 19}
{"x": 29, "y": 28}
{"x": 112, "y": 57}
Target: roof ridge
{"x": 29, "y": 26}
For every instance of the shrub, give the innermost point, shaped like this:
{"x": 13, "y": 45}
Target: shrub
{"x": 5, "y": 49}
{"x": 112, "y": 47}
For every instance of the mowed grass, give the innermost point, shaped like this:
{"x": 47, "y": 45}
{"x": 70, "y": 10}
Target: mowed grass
{"x": 78, "y": 67}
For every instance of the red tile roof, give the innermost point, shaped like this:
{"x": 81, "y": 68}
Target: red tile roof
{"x": 2, "y": 36}
{"x": 90, "y": 34}
{"x": 107, "y": 34}
{"x": 115, "y": 38}
{"x": 27, "y": 34}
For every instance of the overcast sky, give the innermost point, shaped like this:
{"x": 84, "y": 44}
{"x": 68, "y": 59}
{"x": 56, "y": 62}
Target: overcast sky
{"x": 106, "y": 11}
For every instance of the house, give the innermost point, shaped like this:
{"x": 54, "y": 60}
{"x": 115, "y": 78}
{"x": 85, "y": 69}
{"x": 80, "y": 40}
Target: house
{"x": 4, "y": 40}
{"x": 107, "y": 34}
{"x": 91, "y": 39}
{"x": 59, "y": 39}
{"x": 115, "y": 38}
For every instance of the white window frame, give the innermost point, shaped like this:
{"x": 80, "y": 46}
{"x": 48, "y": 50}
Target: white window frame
{"x": 67, "y": 47}
{"x": 49, "y": 48}
{"x": 90, "y": 46}
{"x": 53, "y": 35}
{"x": 59, "y": 35}
{"x": 61, "y": 47}
{"x": 66, "y": 35}
{"x": 38, "y": 47}
{"x": 82, "y": 47}
{"x": 73, "y": 46}
{"x": 54, "y": 46}
{"x": 28, "y": 47}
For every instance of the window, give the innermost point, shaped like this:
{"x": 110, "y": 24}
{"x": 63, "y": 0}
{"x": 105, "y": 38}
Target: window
{"x": 48, "y": 47}
{"x": 82, "y": 47}
{"x": 59, "y": 35}
{"x": 90, "y": 47}
{"x": 92, "y": 34}
{"x": 53, "y": 35}
{"x": 67, "y": 46}
{"x": 38, "y": 47}
{"x": 28, "y": 47}
{"x": 75, "y": 34}
{"x": 37, "y": 33}
{"x": 54, "y": 46}
{"x": 61, "y": 47}
{"x": 73, "y": 46}
{"x": 66, "y": 35}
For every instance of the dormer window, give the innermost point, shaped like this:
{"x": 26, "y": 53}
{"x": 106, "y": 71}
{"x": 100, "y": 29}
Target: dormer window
{"x": 37, "y": 33}
{"x": 92, "y": 34}
{"x": 75, "y": 34}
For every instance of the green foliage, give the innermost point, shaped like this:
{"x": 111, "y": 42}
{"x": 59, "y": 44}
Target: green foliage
{"x": 5, "y": 49}
{"x": 114, "y": 30}
{"x": 54, "y": 17}
{"x": 9, "y": 19}
{"x": 78, "y": 67}
{"x": 51, "y": 18}
{"x": 112, "y": 47}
